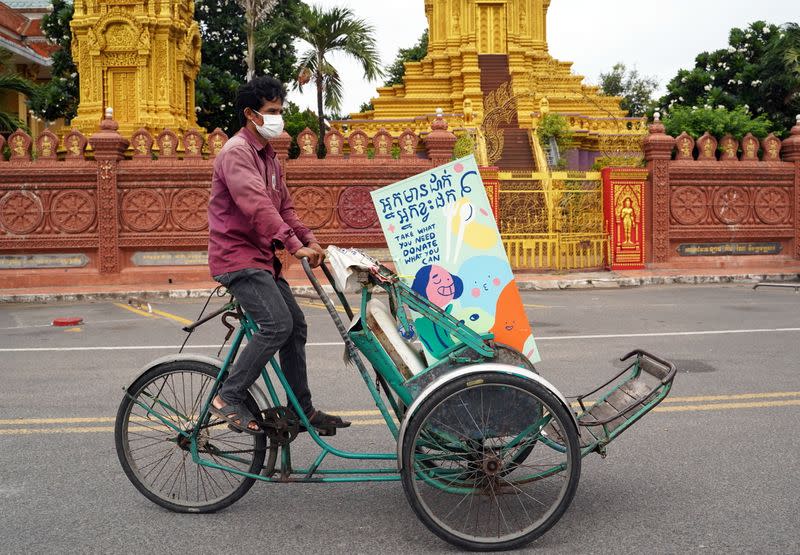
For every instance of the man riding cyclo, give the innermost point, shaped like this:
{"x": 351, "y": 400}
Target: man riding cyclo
{"x": 250, "y": 216}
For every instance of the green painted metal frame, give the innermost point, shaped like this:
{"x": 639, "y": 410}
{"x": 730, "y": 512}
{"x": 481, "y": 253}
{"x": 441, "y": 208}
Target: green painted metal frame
{"x": 399, "y": 396}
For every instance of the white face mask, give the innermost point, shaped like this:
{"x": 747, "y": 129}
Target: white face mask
{"x": 271, "y": 127}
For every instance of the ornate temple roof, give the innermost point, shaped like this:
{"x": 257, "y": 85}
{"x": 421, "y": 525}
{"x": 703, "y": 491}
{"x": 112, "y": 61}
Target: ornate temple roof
{"x": 28, "y": 4}
{"x": 21, "y": 34}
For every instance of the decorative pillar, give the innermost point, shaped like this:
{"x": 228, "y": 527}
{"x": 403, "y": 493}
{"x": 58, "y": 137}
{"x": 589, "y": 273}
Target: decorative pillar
{"x": 440, "y": 141}
{"x": 490, "y": 175}
{"x": 624, "y": 217}
{"x": 109, "y": 148}
{"x": 657, "y": 153}
{"x": 791, "y": 153}
{"x": 281, "y": 145}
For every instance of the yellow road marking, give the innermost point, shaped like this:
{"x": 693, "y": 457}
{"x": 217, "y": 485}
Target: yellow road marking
{"x": 370, "y": 422}
{"x": 27, "y": 421}
{"x": 356, "y": 412}
{"x": 707, "y": 398}
{"x": 135, "y": 310}
{"x": 379, "y": 421}
{"x": 175, "y": 317}
{"x": 70, "y": 430}
{"x": 74, "y": 330}
{"x": 730, "y": 406}
{"x": 155, "y": 314}
{"x": 314, "y": 304}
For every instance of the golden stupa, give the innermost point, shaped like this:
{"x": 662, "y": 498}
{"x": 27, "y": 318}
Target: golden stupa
{"x": 484, "y": 54}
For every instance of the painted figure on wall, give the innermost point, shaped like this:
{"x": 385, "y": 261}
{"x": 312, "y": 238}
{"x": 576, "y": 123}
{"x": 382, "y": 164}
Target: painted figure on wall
{"x": 308, "y": 148}
{"x": 47, "y": 146}
{"x": 74, "y": 145}
{"x": 358, "y": 144}
{"x": 628, "y": 218}
{"x": 334, "y": 144}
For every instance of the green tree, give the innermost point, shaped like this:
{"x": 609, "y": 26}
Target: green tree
{"x": 757, "y": 71}
{"x": 296, "y": 121}
{"x": 635, "y": 90}
{"x": 224, "y": 62}
{"x": 717, "y": 121}
{"x": 397, "y": 70}
{"x": 255, "y": 12}
{"x": 58, "y": 98}
{"x": 791, "y": 56}
{"x": 11, "y": 82}
{"x": 333, "y": 31}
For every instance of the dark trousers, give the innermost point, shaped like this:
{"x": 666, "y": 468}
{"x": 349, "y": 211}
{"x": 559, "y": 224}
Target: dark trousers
{"x": 282, "y": 328}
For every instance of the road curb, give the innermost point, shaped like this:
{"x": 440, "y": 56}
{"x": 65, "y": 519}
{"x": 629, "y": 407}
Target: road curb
{"x": 600, "y": 282}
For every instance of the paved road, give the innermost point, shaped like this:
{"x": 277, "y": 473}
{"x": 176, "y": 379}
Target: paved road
{"x": 714, "y": 471}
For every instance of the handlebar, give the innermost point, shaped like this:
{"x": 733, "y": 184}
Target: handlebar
{"x": 205, "y": 319}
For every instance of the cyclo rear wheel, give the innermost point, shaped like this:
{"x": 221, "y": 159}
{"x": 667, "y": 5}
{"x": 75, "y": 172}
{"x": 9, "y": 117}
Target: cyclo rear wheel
{"x": 157, "y": 459}
{"x": 478, "y": 468}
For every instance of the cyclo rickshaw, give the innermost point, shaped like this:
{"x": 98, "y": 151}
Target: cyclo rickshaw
{"x": 488, "y": 451}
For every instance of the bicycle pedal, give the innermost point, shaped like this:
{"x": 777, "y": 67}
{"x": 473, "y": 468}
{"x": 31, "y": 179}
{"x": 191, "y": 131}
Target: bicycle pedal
{"x": 321, "y": 431}
{"x": 325, "y": 432}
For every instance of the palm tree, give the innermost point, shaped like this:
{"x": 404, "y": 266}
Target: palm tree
{"x": 255, "y": 12}
{"x": 12, "y": 82}
{"x": 791, "y": 33}
{"x": 326, "y": 32}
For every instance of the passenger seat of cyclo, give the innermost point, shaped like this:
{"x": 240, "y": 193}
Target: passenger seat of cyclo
{"x": 408, "y": 359}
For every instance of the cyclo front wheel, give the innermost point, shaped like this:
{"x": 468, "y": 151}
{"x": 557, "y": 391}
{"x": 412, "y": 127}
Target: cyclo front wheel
{"x": 479, "y": 469}
{"x": 158, "y": 460}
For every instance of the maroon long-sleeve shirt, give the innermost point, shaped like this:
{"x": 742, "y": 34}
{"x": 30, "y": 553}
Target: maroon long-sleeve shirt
{"x": 250, "y": 212}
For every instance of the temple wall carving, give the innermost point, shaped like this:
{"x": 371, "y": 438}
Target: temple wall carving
{"x": 150, "y": 193}
{"x": 717, "y": 197}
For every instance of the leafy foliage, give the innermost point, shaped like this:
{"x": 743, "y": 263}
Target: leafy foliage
{"x": 224, "y": 65}
{"x": 58, "y": 98}
{"x": 12, "y": 82}
{"x": 464, "y": 146}
{"x": 397, "y": 70}
{"x": 759, "y": 71}
{"x": 554, "y": 126}
{"x": 717, "y": 121}
{"x": 635, "y": 90}
{"x": 255, "y": 12}
{"x": 333, "y": 31}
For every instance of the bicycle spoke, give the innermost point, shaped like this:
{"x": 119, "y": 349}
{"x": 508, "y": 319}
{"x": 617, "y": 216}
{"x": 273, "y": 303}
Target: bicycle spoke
{"x": 483, "y": 474}
{"x": 159, "y": 455}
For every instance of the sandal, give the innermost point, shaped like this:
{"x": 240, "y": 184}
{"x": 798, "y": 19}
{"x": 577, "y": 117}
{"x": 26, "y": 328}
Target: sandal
{"x": 321, "y": 419}
{"x": 234, "y": 415}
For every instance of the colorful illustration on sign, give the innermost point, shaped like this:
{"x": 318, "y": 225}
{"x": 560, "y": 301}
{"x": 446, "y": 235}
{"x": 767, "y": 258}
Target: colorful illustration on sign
{"x": 444, "y": 241}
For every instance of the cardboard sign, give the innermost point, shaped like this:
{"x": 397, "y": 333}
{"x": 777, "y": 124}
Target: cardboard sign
{"x": 445, "y": 244}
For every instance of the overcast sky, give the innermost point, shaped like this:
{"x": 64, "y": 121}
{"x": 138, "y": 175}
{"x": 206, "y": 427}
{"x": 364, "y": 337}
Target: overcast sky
{"x": 657, "y": 37}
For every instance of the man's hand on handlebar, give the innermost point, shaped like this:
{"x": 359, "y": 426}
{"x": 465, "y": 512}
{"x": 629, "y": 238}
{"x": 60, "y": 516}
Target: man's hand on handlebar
{"x": 314, "y": 257}
{"x": 316, "y": 247}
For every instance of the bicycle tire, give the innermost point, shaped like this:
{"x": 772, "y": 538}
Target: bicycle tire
{"x": 225, "y": 487}
{"x": 442, "y": 506}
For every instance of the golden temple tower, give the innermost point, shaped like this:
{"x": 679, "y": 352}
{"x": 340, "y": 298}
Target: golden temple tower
{"x": 475, "y": 46}
{"x": 139, "y": 57}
